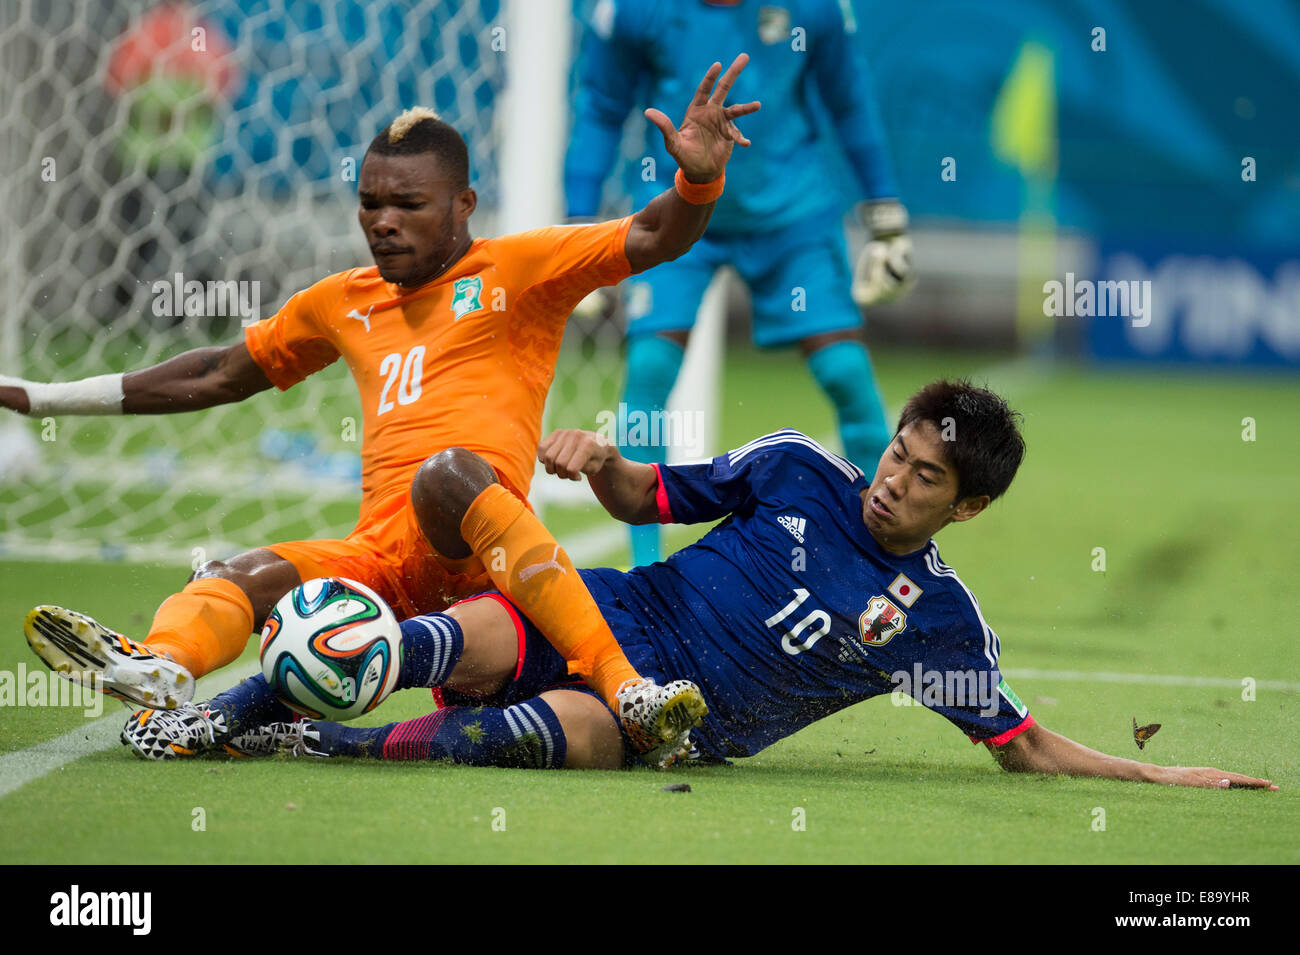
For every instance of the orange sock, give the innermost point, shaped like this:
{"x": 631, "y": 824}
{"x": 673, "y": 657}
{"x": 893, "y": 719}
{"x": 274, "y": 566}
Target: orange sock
{"x": 526, "y": 564}
{"x": 203, "y": 627}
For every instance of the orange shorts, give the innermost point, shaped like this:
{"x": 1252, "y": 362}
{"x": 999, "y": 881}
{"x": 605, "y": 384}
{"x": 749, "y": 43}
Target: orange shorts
{"x": 391, "y": 555}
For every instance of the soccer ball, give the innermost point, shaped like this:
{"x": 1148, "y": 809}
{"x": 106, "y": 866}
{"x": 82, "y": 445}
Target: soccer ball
{"x": 331, "y": 649}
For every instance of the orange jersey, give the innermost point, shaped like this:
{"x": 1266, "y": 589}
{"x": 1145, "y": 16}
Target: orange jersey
{"x": 464, "y": 361}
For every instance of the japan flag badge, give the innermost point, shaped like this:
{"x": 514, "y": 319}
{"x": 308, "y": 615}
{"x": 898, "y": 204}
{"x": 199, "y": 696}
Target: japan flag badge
{"x": 904, "y": 590}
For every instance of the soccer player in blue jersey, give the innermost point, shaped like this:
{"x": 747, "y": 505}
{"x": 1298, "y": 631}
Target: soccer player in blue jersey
{"x": 818, "y": 590}
{"x": 779, "y": 222}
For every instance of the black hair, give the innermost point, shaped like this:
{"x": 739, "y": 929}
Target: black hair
{"x": 981, "y": 433}
{"x": 419, "y": 131}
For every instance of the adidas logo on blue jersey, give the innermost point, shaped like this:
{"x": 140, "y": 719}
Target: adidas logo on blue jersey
{"x": 795, "y": 525}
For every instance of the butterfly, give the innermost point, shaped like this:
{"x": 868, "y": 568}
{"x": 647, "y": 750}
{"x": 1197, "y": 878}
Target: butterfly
{"x": 1143, "y": 733}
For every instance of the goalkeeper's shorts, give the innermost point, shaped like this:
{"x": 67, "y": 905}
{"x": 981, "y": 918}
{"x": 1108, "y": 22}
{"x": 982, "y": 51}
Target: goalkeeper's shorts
{"x": 798, "y": 277}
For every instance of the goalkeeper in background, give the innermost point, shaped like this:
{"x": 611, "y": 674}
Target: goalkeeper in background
{"x": 779, "y": 223}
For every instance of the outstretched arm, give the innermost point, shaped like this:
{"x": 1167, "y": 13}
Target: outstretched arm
{"x": 670, "y": 224}
{"x": 1039, "y": 750}
{"x": 626, "y": 489}
{"x": 197, "y": 379}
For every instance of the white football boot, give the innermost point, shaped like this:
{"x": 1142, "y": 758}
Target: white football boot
{"x": 198, "y": 730}
{"x": 84, "y": 651}
{"x": 659, "y": 719}
{"x": 295, "y": 739}
{"x": 291, "y": 739}
{"x": 170, "y": 734}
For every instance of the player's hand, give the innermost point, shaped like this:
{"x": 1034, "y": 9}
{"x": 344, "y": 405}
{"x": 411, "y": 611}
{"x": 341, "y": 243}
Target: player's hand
{"x": 703, "y": 144}
{"x": 1207, "y": 777}
{"x": 571, "y": 453}
{"x": 14, "y": 397}
{"x": 884, "y": 270}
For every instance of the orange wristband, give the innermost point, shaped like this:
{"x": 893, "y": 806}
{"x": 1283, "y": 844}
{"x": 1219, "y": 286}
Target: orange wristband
{"x": 699, "y": 193}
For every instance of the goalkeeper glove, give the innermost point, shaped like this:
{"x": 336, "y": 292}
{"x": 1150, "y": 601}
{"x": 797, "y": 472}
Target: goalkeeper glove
{"x": 884, "y": 271}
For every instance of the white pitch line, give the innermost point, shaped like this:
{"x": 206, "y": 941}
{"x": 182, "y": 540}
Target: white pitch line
{"x": 1158, "y": 679}
{"x": 22, "y": 766}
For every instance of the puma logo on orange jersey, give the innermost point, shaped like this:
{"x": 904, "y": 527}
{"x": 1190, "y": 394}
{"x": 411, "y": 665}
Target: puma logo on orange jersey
{"x": 363, "y": 319}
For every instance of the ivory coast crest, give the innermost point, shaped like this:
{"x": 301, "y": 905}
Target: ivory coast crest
{"x": 465, "y": 296}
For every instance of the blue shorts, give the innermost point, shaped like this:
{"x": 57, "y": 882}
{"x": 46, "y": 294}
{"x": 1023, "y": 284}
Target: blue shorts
{"x": 798, "y": 278}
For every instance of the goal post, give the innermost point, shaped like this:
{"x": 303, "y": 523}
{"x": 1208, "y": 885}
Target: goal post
{"x": 592, "y": 370}
{"x": 698, "y": 389}
{"x": 533, "y": 113}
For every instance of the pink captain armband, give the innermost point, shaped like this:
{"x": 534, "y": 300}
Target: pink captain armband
{"x": 661, "y": 498}
{"x": 1008, "y": 735}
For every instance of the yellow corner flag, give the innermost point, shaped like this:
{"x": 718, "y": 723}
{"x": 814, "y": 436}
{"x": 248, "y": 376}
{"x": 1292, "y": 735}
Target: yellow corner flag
{"x": 1024, "y": 116}
{"x": 1023, "y": 135}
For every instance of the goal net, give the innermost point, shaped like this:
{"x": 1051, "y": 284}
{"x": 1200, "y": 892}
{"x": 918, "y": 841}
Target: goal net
{"x": 176, "y": 171}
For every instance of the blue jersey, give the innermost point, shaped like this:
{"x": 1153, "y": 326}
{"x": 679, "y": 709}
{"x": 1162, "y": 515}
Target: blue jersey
{"x": 789, "y": 610}
{"x": 655, "y": 52}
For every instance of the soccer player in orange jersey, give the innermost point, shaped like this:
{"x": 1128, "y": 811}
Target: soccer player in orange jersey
{"x": 453, "y": 342}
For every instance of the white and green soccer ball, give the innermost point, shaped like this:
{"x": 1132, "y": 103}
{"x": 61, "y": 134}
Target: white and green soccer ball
{"x": 331, "y": 649}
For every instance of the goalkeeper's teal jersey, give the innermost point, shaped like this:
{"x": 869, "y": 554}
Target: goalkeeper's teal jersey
{"x": 655, "y": 52}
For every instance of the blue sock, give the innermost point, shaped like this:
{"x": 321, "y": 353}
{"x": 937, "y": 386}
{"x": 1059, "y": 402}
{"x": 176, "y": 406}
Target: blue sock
{"x": 431, "y": 646}
{"x": 644, "y": 539}
{"x": 524, "y": 736}
{"x": 652, "y": 366}
{"x": 843, "y": 369}
{"x": 250, "y": 704}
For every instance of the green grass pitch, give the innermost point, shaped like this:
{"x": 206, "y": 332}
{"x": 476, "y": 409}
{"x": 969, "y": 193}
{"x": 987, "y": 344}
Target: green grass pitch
{"x": 1200, "y": 555}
